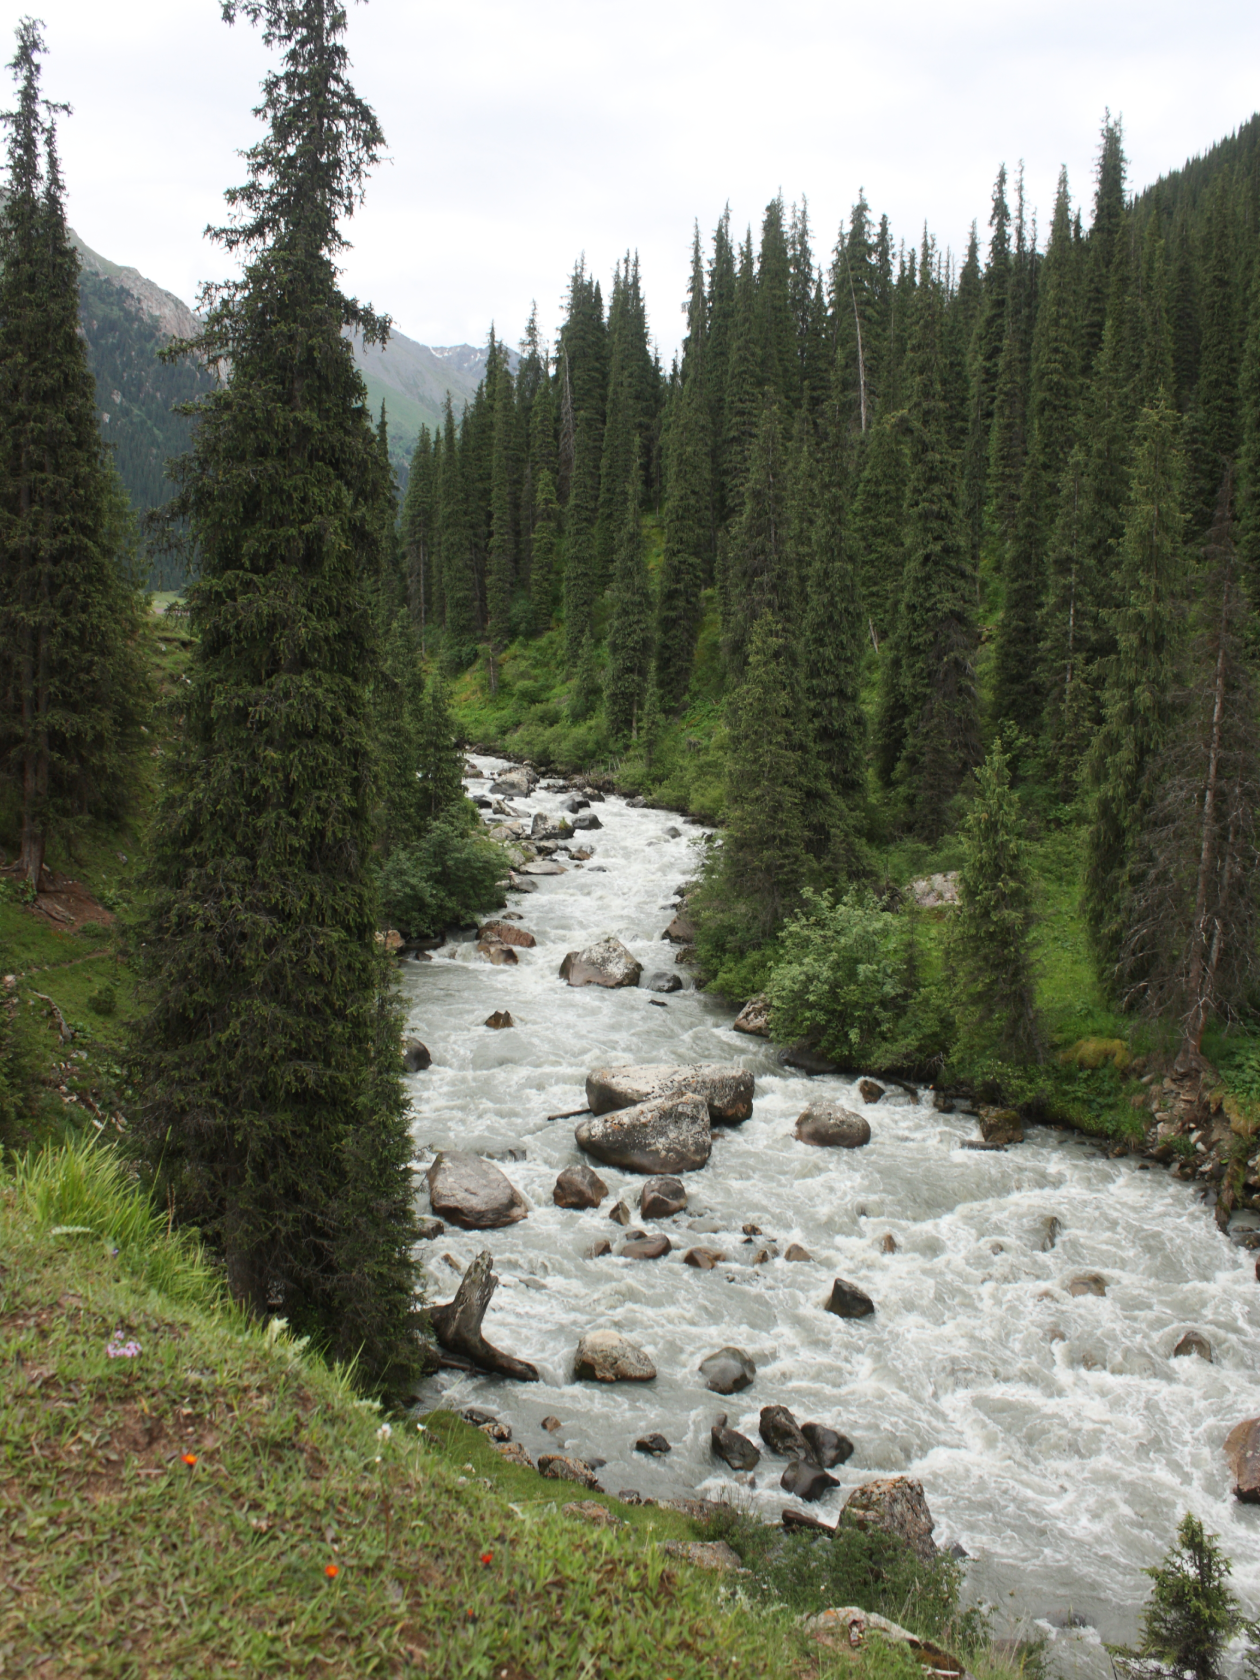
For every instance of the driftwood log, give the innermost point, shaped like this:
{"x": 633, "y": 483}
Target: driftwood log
{"x": 457, "y": 1324}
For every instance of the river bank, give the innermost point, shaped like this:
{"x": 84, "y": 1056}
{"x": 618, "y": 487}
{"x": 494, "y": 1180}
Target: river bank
{"x": 1057, "y": 1437}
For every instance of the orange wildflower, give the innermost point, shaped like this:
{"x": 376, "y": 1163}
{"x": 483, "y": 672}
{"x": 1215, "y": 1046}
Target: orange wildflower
{"x": 332, "y": 1571}
{"x": 189, "y": 1459}
{"x": 487, "y": 1557}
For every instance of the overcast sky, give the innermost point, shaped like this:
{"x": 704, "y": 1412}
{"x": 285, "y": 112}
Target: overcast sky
{"x": 524, "y": 132}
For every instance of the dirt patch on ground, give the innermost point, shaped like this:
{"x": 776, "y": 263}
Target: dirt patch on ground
{"x": 65, "y": 903}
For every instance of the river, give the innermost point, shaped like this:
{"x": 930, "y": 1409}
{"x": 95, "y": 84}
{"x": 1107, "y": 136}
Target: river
{"x": 1056, "y": 1438}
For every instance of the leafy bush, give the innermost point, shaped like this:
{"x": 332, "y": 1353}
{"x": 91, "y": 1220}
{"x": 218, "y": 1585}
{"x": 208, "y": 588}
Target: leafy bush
{"x": 103, "y": 1001}
{"x": 809, "y": 1572}
{"x": 849, "y": 985}
{"x": 444, "y": 879}
{"x": 24, "y": 1057}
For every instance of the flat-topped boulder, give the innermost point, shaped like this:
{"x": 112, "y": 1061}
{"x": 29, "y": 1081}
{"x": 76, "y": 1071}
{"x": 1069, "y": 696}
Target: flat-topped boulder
{"x": 668, "y": 1135}
{"x": 507, "y": 933}
{"x": 727, "y": 1089}
{"x": 473, "y": 1193}
{"x": 606, "y": 963}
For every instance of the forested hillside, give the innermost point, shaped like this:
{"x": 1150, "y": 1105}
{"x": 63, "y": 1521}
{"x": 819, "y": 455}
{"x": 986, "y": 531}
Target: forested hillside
{"x": 890, "y": 513}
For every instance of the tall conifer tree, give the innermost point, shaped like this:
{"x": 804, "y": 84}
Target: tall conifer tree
{"x": 272, "y": 1111}
{"x": 73, "y": 683}
{"x": 630, "y": 628}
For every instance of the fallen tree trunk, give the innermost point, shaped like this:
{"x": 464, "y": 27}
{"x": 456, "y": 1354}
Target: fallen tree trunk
{"x": 457, "y": 1324}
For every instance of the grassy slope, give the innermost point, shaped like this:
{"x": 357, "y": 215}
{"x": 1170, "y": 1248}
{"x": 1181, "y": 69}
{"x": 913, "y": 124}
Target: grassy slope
{"x": 125, "y": 1559}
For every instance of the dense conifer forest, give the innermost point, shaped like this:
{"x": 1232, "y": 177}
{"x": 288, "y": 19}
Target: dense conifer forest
{"x": 892, "y": 513}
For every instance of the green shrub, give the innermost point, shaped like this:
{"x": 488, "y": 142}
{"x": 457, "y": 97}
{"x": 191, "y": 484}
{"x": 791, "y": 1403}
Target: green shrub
{"x": 849, "y": 984}
{"x": 104, "y": 1001}
{"x": 810, "y": 1572}
{"x": 448, "y": 877}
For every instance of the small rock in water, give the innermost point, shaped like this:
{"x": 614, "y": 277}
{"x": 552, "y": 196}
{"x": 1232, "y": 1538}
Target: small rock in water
{"x": 654, "y": 1444}
{"x": 646, "y": 1248}
{"x": 848, "y": 1301}
{"x": 587, "y": 820}
{"x": 794, "y": 1251}
{"x": 1087, "y": 1283}
{"x": 598, "y": 1249}
{"x": 828, "y": 1126}
{"x": 661, "y": 980}
{"x": 579, "y": 1187}
{"x": 806, "y": 1481}
{"x": 728, "y": 1371}
{"x": 1001, "y": 1125}
{"x": 979, "y": 1143}
{"x": 661, "y": 1197}
{"x": 1049, "y": 1232}
{"x": 453, "y": 1263}
{"x": 828, "y": 1446}
{"x": 415, "y": 1056}
{"x": 552, "y": 1425}
{"x": 888, "y": 1243}
{"x": 754, "y": 1017}
{"x": 1193, "y": 1342}
{"x": 869, "y": 1091}
{"x": 751, "y": 1230}
{"x": 657, "y": 1003}
{"x": 620, "y": 1214}
{"x": 500, "y": 1018}
{"x": 427, "y": 1229}
{"x": 703, "y": 1259}
{"x": 672, "y": 833}
{"x": 807, "y": 1060}
{"x": 732, "y": 1447}
{"x": 604, "y": 1356}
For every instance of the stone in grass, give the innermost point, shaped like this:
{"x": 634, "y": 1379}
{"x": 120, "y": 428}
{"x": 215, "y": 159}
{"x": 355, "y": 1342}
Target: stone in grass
{"x": 591, "y": 1511}
{"x": 561, "y": 1468}
{"x": 705, "y": 1554}
{"x": 848, "y": 1301}
{"x": 896, "y": 1505}
{"x": 728, "y": 1371}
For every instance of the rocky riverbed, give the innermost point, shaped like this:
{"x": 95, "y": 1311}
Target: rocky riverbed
{"x": 1021, "y": 1358}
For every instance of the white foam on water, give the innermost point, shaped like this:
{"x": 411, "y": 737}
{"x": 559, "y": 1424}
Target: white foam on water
{"x": 1056, "y": 1438}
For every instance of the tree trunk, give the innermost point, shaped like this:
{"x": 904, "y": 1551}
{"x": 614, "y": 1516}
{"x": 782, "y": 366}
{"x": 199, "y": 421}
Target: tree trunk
{"x": 457, "y": 1324}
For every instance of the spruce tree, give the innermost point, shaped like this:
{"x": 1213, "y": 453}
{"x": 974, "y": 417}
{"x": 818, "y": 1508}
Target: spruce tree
{"x": 1136, "y": 700}
{"x": 1248, "y": 474}
{"x": 689, "y": 510}
{"x": 761, "y": 572}
{"x": 986, "y": 356}
{"x": 272, "y": 1113}
{"x": 877, "y": 528}
{"x": 929, "y": 715}
{"x": 73, "y": 685}
{"x": 630, "y": 628}
{"x": 542, "y": 568}
{"x": 763, "y": 851}
{"x": 501, "y": 570}
{"x": 990, "y": 939}
{"x": 419, "y": 535}
{"x": 833, "y": 635}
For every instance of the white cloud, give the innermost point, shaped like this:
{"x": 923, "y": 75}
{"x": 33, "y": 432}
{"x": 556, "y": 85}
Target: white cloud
{"x": 523, "y": 134}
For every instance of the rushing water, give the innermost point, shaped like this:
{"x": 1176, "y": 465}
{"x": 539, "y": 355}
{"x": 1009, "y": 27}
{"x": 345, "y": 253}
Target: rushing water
{"x": 1055, "y": 1437}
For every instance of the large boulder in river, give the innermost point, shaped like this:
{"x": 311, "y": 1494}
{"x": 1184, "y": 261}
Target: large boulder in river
{"x": 732, "y": 1447}
{"x": 1001, "y": 1125}
{"x": 828, "y": 1126}
{"x": 606, "y": 963}
{"x": 668, "y": 1135}
{"x": 895, "y": 1504}
{"x": 604, "y": 1356}
{"x": 579, "y": 1187}
{"x": 415, "y": 1055}
{"x": 661, "y": 980}
{"x": 516, "y": 783}
{"x": 473, "y": 1193}
{"x": 507, "y": 933}
{"x": 682, "y": 930}
{"x": 727, "y": 1090}
{"x": 829, "y": 1446}
{"x": 807, "y": 1481}
{"x": 781, "y": 1433}
{"x": 1242, "y": 1449}
{"x": 754, "y": 1017}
